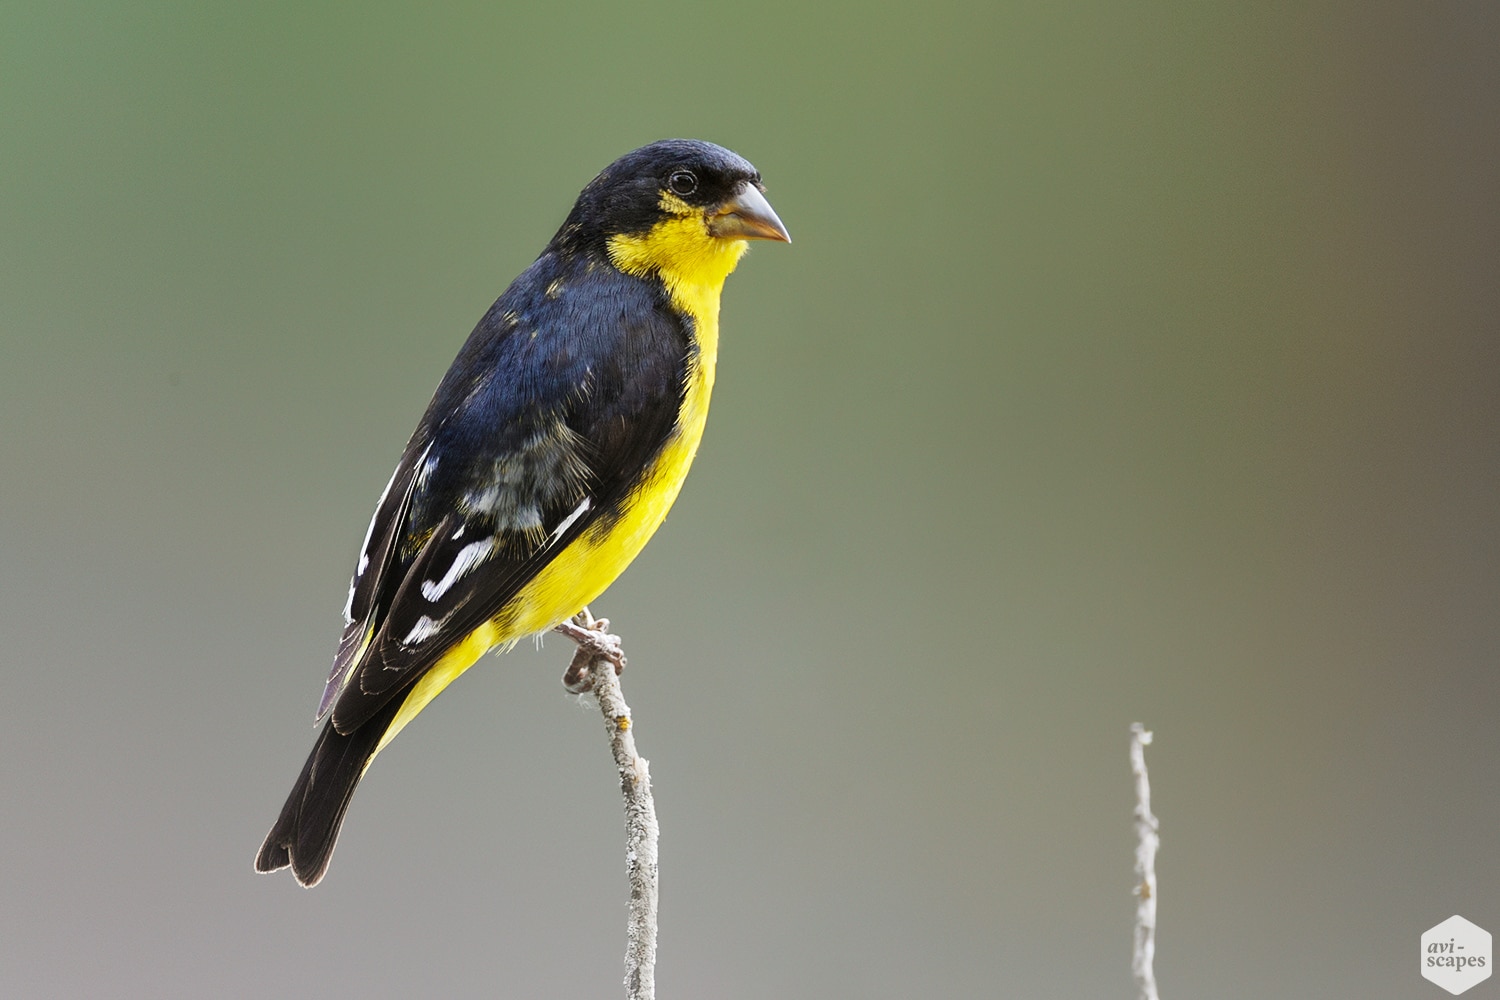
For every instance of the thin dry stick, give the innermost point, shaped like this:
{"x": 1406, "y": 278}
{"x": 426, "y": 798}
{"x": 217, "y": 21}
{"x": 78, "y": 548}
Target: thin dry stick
{"x": 1143, "y": 960}
{"x": 595, "y": 667}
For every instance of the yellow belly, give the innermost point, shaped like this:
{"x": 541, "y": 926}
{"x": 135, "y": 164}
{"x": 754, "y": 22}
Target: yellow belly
{"x": 580, "y": 573}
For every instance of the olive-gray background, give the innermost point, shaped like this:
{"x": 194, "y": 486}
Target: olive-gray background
{"x": 1131, "y": 362}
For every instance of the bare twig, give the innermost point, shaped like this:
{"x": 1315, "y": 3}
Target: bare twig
{"x": 1144, "y": 957}
{"x": 596, "y": 667}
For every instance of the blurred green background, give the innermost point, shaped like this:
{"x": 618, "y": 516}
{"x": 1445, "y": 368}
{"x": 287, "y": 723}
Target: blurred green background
{"x": 1132, "y": 362}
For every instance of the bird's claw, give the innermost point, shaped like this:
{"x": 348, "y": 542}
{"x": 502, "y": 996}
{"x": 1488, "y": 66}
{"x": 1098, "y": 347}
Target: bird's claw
{"x": 594, "y": 643}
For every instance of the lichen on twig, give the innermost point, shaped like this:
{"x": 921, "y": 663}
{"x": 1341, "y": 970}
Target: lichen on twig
{"x": 596, "y": 667}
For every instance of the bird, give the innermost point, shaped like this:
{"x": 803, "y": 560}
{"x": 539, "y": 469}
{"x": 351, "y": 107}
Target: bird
{"x": 549, "y": 455}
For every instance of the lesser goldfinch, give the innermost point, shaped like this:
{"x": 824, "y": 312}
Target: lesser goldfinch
{"x": 547, "y": 458}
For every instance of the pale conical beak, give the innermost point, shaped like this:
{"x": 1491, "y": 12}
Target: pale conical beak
{"x": 747, "y": 216}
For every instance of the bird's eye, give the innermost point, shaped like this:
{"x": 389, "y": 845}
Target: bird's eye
{"x": 683, "y": 182}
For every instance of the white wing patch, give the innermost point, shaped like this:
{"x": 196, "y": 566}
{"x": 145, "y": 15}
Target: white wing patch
{"x": 364, "y": 548}
{"x": 429, "y": 466}
{"x": 424, "y": 629}
{"x": 567, "y": 522}
{"x": 547, "y": 466}
{"x": 468, "y": 557}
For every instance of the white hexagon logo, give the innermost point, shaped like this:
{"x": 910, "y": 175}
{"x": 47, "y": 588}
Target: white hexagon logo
{"x": 1456, "y": 954}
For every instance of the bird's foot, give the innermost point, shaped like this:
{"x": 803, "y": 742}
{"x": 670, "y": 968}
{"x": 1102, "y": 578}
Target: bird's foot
{"x": 594, "y": 644}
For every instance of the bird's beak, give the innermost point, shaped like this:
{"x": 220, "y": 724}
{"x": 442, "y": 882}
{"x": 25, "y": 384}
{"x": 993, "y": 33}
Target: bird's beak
{"x": 747, "y": 216}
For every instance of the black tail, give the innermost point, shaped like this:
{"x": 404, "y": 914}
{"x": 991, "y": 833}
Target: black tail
{"x": 308, "y": 827}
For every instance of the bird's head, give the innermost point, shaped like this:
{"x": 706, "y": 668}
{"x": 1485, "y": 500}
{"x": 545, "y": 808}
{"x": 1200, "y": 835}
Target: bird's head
{"x": 681, "y": 208}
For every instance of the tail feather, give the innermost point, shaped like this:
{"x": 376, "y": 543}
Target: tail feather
{"x": 305, "y": 833}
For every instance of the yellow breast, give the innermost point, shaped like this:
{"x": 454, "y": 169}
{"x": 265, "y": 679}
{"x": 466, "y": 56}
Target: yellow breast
{"x": 693, "y": 266}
